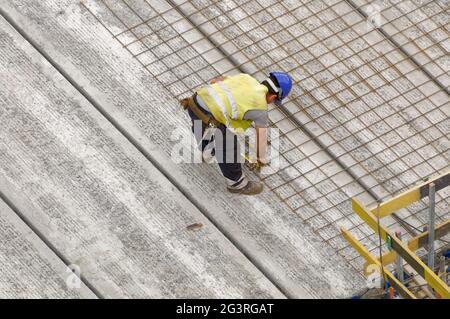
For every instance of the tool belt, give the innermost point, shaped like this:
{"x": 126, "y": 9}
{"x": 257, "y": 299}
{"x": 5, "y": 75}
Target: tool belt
{"x": 207, "y": 119}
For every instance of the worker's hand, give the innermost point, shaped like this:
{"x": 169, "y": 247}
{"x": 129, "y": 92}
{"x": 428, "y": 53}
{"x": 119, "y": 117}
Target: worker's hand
{"x": 263, "y": 162}
{"x": 252, "y": 164}
{"x": 258, "y": 165}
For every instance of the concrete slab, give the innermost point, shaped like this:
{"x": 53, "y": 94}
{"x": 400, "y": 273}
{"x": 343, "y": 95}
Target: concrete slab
{"x": 421, "y": 29}
{"x": 263, "y": 227}
{"x": 355, "y": 92}
{"x": 99, "y": 202}
{"x": 29, "y": 269}
{"x": 371, "y": 82}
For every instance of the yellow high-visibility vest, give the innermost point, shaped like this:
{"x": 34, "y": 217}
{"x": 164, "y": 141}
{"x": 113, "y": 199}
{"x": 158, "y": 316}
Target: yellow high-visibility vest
{"x": 229, "y": 100}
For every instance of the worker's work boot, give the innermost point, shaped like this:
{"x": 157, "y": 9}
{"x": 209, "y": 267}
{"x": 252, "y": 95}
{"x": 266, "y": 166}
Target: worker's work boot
{"x": 252, "y": 188}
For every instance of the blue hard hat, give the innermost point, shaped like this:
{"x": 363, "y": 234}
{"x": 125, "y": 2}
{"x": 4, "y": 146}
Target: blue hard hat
{"x": 284, "y": 83}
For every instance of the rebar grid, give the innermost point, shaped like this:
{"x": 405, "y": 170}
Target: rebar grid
{"x": 372, "y": 122}
{"x": 422, "y": 28}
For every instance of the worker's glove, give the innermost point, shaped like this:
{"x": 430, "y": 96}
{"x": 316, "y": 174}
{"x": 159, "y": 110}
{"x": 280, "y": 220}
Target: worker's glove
{"x": 258, "y": 165}
{"x": 263, "y": 162}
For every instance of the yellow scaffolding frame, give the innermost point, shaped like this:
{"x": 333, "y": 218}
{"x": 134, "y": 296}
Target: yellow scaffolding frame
{"x": 370, "y": 258}
{"x": 413, "y": 244}
{"x": 406, "y": 251}
{"x": 410, "y": 196}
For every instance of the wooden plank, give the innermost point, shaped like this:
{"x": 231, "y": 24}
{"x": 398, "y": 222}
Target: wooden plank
{"x": 403, "y": 200}
{"x": 424, "y": 290}
{"x": 415, "y": 243}
{"x": 371, "y": 259}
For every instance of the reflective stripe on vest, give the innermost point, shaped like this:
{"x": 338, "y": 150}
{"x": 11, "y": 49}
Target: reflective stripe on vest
{"x": 231, "y": 100}
{"x": 217, "y": 99}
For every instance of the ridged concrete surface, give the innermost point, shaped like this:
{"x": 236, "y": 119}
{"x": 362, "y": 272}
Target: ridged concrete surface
{"x": 365, "y": 118}
{"x": 263, "y": 228}
{"x": 101, "y": 204}
{"x": 29, "y": 269}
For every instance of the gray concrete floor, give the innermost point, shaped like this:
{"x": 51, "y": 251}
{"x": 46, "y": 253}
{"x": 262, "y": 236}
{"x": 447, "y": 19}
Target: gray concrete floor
{"x": 99, "y": 201}
{"x": 85, "y": 164}
{"x": 371, "y": 118}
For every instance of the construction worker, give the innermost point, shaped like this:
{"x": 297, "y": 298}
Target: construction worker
{"x": 235, "y": 103}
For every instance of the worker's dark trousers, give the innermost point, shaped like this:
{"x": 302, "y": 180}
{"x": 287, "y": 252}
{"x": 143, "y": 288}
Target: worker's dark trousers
{"x": 226, "y": 150}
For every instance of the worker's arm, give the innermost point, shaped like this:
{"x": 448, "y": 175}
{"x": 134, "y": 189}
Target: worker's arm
{"x": 218, "y": 79}
{"x": 261, "y": 145}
